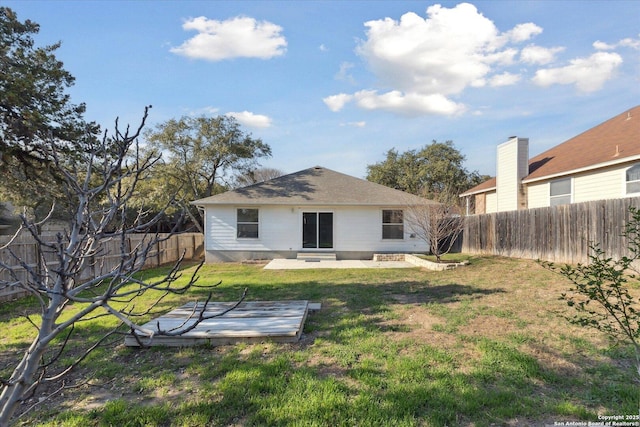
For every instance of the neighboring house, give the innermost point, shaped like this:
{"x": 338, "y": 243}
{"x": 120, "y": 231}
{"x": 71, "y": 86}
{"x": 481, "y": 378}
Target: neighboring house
{"x": 315, "y": 210}
{"x": 601, "y": 163}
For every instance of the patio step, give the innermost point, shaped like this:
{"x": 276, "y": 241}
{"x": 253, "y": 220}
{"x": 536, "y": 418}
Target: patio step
{"x": 315, "y": 256}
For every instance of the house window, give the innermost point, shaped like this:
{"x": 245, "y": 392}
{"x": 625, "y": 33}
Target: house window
{"x": 247, "y": 223}
{"x": 392, "y": 224}
{"x": 633, "y": 179}
{"x": 560, "y": 193}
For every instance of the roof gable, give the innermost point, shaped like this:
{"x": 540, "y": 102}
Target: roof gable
{"x": 314, "y": 186}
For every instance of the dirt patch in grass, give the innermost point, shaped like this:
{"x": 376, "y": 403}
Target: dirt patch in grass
{"x": 374, "y": 327}
{"x": 489, "y": 327}
{"x": 415, "y": 323}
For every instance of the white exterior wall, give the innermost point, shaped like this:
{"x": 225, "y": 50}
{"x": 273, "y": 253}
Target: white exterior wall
{"x": 511, "y": 166}
{"x": 274, "y": 229}
{"x": 360, "y": 229}
{"x": 491, "y": 202}
{"x": 606, "y": 183}
{"x": 280, "y": 229}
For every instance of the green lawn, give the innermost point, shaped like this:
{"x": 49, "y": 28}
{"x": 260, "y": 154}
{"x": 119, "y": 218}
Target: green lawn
{"x": 482, "y": 345}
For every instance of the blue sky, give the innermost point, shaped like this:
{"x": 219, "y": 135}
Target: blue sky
{"x": 338, "y": 83}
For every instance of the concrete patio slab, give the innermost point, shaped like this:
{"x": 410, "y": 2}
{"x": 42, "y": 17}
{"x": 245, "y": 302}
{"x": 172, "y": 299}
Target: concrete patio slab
{"x": 294, "y": 264}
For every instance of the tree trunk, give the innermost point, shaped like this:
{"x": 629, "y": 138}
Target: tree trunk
{"x": 23, "y": 374}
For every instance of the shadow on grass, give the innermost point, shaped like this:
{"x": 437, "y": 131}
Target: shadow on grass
{"x": 346, "y": 372}
{"x": 423, "y": 388}
{"x": 441, "y": 294}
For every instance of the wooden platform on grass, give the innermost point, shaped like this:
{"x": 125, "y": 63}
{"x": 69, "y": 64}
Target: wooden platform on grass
{"x": 253, "y": 321}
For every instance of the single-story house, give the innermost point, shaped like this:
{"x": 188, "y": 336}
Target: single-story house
{"x": 601, "y": 163}
{"x": 315, "y": 210}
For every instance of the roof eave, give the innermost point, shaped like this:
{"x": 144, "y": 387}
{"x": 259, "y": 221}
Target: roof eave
{"x": 483, "y": 190}
{"x": 583, "y": 169}
{"x": 317, "y": 203}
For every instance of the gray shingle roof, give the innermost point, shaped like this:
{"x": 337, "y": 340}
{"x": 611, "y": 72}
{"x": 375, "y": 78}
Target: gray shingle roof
{"x": 314, "y": 186}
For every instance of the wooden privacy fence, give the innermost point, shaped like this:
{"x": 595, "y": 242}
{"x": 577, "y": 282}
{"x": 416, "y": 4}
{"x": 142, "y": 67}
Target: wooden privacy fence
{"x": 558, "y": 233}
{"x": 107, "y": 256}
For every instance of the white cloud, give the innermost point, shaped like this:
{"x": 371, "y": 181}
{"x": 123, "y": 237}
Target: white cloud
{"x": 628, "y": 42}
{"x": 598, "y": 45}
{"x": 323, "y": 48}
{"x": 533, "y": 54}
{"x": 422, "y": 62}
{"x": 504, "y": 79}
{"x": 249, "y": 119}
{"x": 236, "y": 37}
{"x": 441, "y": 54}
{"x": 343, "y": 73}
{"x": 588, "y": 74}
{"x": 337, "y": 102}
{"x": 503, "y": 57}
{"x": 523, "y": 32}
{"x": 355, "y": 124}
{"x": 407, "y": 103}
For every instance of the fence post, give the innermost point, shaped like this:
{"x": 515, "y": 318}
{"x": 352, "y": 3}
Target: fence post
{"x": 158, "y": 259}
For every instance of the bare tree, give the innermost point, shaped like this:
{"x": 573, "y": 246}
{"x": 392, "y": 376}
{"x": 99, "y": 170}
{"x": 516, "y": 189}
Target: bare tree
{"x": 439, "y": 224}
{"x": 99, "y": 189}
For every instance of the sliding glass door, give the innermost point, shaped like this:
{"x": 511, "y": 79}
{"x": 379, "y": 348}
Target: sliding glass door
{"x": 317, "y": 230}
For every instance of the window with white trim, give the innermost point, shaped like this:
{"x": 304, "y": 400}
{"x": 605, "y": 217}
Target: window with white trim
{"x": 247, "y": 223}
{"x": 633, "y": 179}
{"x": 393, "y": 224}
{"x": 560, "y": 192}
